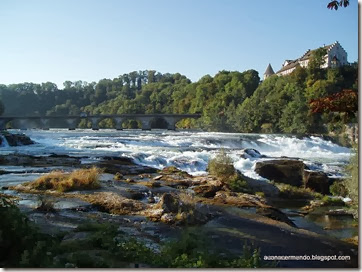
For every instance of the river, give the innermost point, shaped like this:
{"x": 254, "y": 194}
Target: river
{"x": 187, "y": 150}
{"x": 190, "y": 151}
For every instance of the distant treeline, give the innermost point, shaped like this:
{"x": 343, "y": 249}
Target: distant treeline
{"x": 229, "y": 101}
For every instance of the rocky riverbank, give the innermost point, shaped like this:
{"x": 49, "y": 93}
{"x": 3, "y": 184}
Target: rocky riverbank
{"x": 140, "y": 199}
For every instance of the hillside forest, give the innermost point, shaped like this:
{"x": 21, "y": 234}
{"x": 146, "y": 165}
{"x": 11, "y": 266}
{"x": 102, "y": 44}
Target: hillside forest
{"x": 231, "y": 101}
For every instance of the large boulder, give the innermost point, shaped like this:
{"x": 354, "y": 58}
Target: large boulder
{"x": 317, "y": 181}
{"x": 17, "y": 139}
{"x": 284, "y": 171}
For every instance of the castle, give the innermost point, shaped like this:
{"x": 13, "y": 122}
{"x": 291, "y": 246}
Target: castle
{"x": 336, "y": 56}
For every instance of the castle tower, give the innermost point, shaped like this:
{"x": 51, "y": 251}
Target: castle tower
{"x": 268, "y": 72}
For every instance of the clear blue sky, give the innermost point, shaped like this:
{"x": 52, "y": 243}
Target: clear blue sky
{"x": 44, "y": 40}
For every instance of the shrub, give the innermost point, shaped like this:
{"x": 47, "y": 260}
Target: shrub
{"x": 338, "y": 189}
{"x": 221, "y": 166}
{"x": 352, "y": 182}
{"x": 261, "y": 194}
{"x": 76, "y": 180}
{"x": 293, "y": 192}
{"x": 329, "y": 201}
{"x": 237, "y": 184}
{"x": 21, "y": 245}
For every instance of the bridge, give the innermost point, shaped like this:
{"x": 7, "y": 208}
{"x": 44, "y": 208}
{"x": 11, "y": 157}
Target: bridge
{"x": 72, "y": 122}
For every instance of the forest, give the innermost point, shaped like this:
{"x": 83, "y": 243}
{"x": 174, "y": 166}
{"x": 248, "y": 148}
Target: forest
{"x": 231, "y": 101}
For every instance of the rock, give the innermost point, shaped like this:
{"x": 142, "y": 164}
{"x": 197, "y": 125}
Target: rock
{"x": 169, "y": 203}
{"x": 124, "y": 166}
{"x": 339, "y": 212}
{"x": 207, "y": 190}
{"x": 156, "y": 184}
{"x": 168, "y": 218}
{"x": 151, "y": 199}
{"x": 270, "y": 190}
{"x": 136, "y": 195}
{"x": 284, "y": 171}
{"x": 129, "y": 180}
{"x": 238, "y": 199}
{"x": 275, "y": 214}
{"x": 17, "y": 139}
{"x": 118, "y": 176}
{"x": 317, "y": 181}
{"x": 251, "y": 153}
{"x": 158, "y": 177}
{"x": 40, "y": 161}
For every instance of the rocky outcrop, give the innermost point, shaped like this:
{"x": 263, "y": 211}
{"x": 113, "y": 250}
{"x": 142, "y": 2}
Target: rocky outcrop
{"x": 284, "y": 171}
{"x": 15, "y": 139}
{"x": 123, "y": 166}
{"x": 39, "y": 161}
{"x": 317, "y": 181}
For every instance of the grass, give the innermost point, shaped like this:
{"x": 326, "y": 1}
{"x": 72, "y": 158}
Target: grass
{"x": 292, "y": 192}
{"x": 329, "y": 201}
{"x": 82, "y": 179}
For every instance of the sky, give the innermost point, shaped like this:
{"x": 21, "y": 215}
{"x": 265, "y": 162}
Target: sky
{"x": 88, "y": 40}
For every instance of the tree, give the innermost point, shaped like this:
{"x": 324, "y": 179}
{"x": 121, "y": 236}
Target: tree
{"x": 345, "y": 101}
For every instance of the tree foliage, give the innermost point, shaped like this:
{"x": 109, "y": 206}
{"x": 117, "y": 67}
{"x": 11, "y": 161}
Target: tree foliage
{"x": 229, "y": 101}
{"x": 335, "y": 4}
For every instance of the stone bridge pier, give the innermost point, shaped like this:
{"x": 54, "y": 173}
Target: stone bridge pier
{"x": 45, "y": 123}
{"x": 118, "y": 121}
{"x": 72, "y": 123}
{"x": 95, "y": 122}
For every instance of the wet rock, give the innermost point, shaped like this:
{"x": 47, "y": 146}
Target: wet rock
{"x": 317, "y": 181}
{"x": 124, "y": 166}
{"x": 275, "y": 214}
{"x": 17, "y": 139}
{"x": 284, "y": 171}
{"x": 169, "y": 203}
{"x": 251, "y": 153}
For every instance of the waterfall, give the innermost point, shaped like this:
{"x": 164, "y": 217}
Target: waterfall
{"x": 4, "y": 142}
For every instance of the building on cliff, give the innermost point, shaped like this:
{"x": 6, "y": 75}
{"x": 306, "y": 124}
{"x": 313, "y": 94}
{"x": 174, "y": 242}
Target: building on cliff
{"x": 336, "y": 56}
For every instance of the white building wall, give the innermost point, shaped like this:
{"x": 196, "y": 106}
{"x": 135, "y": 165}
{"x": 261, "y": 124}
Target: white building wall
{"x": 339, "y": 52}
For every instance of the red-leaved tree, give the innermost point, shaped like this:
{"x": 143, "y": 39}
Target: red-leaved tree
{"x": 345, "y": 101}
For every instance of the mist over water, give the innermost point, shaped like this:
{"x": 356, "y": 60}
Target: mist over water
{"x": 187, "y": 150}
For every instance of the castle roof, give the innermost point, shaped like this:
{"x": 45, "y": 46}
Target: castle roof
{"x": 269, "y": 71}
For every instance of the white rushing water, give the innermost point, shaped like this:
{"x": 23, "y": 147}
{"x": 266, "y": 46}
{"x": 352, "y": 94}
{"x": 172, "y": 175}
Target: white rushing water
{"x": 187, "y": 150}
